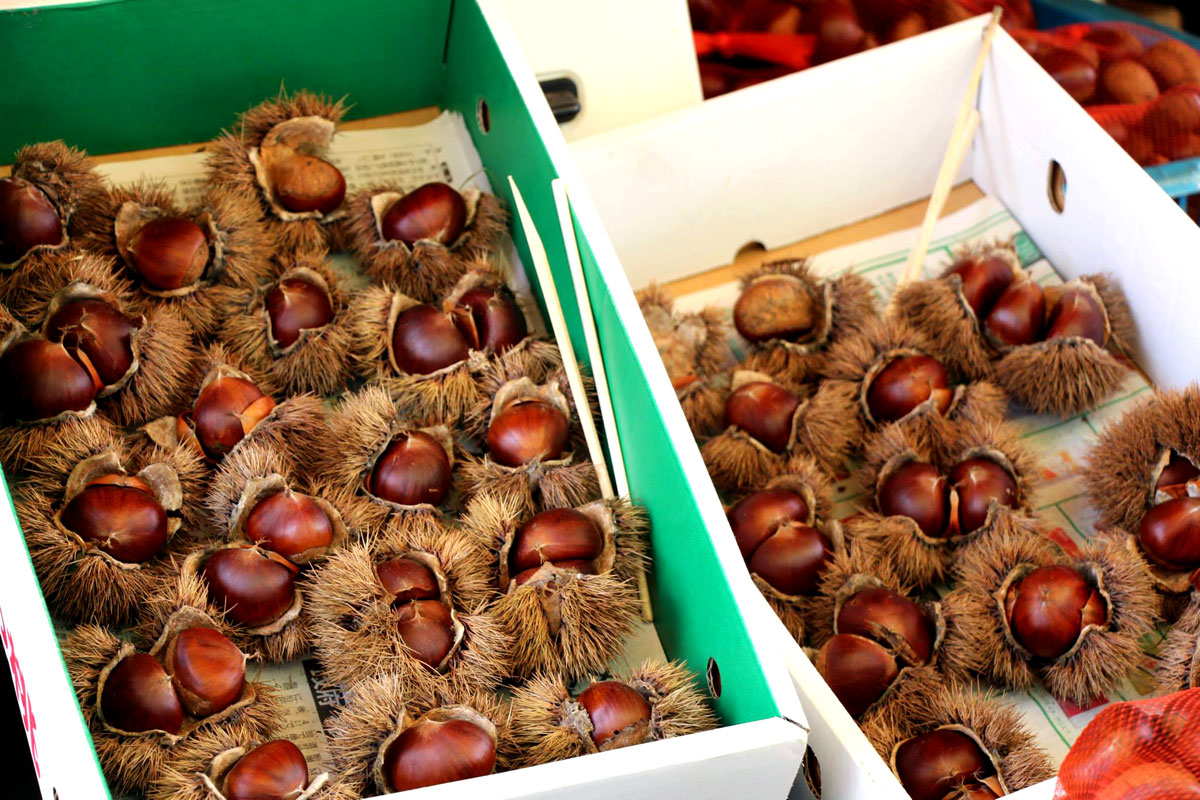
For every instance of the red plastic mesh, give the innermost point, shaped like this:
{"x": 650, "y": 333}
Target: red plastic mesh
{"x": 1144, "y": 750}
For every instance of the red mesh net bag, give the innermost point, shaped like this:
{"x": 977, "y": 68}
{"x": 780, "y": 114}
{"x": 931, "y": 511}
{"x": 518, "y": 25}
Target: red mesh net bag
{"x": 1144, "y": 750}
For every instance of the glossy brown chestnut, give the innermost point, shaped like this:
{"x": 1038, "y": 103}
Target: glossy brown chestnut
{"x": 295, "y": 305}
{"x": 427, "y": 629}
{"x": 138, "y": 696}
{"x": 980, "y": 482}
{"x": 880, "y": 614}
{"x": 98, "y": 332}
{"x": 273, "y": 771}
{"x": 933, "y": 765}
{"x": 27, "y": 219}
{"x": 414, "y": 469}
{"x": 1073, "y": 72}
{"x": 304, "y": 182}
{"x": 490, "y": 318}
{"x": 1170, "y": 533}
{"x": 226, "y": 411}
{"x": 1050, "y": 607}
{"x": 757, "y": 516}
{"x": 775, "y": 307}
{"x": 169, "y": 253}
{"x": 858, "y": 670}
{"x": 615, "y": 708}
{"x": 984, "y": 279}
{"x": 44, "y": 381}
{"x": 288, "y": 523}
{"x": 207, "y": 670}
{"x": 424, "y": 340}
{"x": 432, "y": 752}
{"x": 560, "y": 534}
{"x": 128, "y": 523}
{"x": 406, "y": 580}
{"x": 916, "y": 490}
{"x": 433, "y": 212}
{"x": 792, "y": 559}
{"x": 1018, "y": 317}
{"x": 765, "y": 412}
{"x": 1178, "y": 472}
{"x": 906, "y": 383}
{"x": 838, "y": 31}
{"x": 527, "y": 429}
{"x": 254, "y": 586}
{"x": 1077, "y": 314}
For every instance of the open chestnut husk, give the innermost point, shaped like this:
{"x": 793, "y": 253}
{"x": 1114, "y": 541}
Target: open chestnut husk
{"x": 1141, "y": 476}
{"x": 694, "y": 349}
{"x": 1178, "y": 667}
{"x": 939, "y": 738}
{"x": 567, "y": 579}
{"x": 412, "y": 603}
{"x": 769, "y": 421}
{"x": 385, "y": 740}
{"x": 1019, "y": 601}
{"x": 131, "y": 760}
{"x": 425, "y": 239}
{"x": 929, "y": 498}
{"x": 790, "y": 318}
{"x": 657, "y": 700}
{"x": 276, "y": 160}
{"x": 293, "y": 327}
{"x": 216, "y": 765}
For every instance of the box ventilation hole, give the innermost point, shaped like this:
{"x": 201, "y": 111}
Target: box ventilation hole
{"x": 1057, "y": 187}
{"x": 483, "y": 116}
{"x": 714, "y": 678}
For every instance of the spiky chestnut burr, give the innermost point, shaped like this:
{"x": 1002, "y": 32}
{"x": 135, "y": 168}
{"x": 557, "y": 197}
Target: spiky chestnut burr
{"x": 1178, "y": 667}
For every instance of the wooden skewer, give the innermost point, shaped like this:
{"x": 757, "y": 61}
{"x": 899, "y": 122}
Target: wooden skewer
{"x": 965, "y": 125}
{"x": 595, "y": 356}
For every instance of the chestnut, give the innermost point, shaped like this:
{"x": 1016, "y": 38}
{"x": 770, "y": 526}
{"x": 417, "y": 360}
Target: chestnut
{"x": 490, "y": 318}
{"x": 858, "y": 670}
{"x": 620, "y": 715}
{"x": 918, "y": 491}
{"x": 424, "y": 340}
{"x": 1050, "y": 607}
{"x": 207, "y": 670}
{"x": 527, "y": 429}
{"x": 44, "y": 381}
{"x": 432, "y": 752}
{"x": 1077, "y": 314}
{"x": 980, "y": 482}
{"x": 276, "y": 770}
{"x": 1170, "y": 533}
{"x": 254, "y": 586}
{"x": 27, "y": 219}
{"x": 1176, "y": 474}
{"x": 406, "y": 580}
{"x": 295, "y": 305}
{"x": 905, "y": 383}
{"x": 433, "y": 212}
{"x": 126, "y": 522}
{"x": 757, "y": 516}
{"x": 775, "y": 307}
{"x": 225, "y": 413}
{"x": 555, "y": 536}
{"x": 881, "y": 614}
{"x": 935, "y": 764}
{"x": 1018, "y": 315}
{"x": 427, "y": 629}
{"x": 288, "y": 523}
{"x": 792, "y": 559}
{"x": 984, "y": 279}
{"x": 169, "y": 253}
{"x": 414, "y": 469}
{"x": 765, "y": 412}
{"x": 304, "y": 182}
{"x": 96, "y": 331}
{"x": 138, "y": 696}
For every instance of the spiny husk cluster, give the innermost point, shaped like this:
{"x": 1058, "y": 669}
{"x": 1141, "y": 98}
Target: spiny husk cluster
{"x": 562, "y": 621}
{"x": 920, "y": 559}
{"x": 980, "y": 644}
{"x": 131, "y": 761}
{"x": 548, "y": 725}
{"x": 429, "y": 268}
{"x": 1178, "y": 668}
